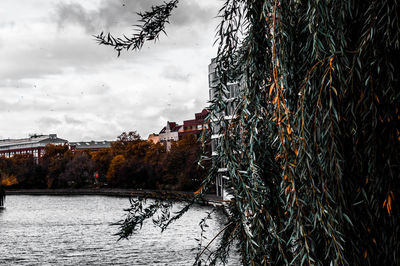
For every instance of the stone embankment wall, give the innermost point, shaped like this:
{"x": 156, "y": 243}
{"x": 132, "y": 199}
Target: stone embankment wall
{"x": 2, "y": 196}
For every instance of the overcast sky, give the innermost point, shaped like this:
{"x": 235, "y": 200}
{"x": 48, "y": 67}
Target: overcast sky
{"x": 54, "y": 77}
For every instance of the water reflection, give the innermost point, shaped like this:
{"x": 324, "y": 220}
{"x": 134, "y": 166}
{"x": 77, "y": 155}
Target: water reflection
{"x": 75, "y": 230}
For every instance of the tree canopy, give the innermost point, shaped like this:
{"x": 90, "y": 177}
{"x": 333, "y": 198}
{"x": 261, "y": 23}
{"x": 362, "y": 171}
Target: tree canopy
{"x": 312, "y": 150}
{"x": 130, "y": 162}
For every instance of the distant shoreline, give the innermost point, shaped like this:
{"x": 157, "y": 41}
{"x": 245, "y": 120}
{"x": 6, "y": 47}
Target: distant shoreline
{"x": 90, "y": 191}
{"x": 114, "y": 192}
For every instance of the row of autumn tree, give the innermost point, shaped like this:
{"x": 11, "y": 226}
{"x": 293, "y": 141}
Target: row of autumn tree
{"x": 130, "y": 162}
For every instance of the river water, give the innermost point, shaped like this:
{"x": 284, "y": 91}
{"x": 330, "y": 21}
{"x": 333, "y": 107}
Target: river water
{"x": 76, "y": 230}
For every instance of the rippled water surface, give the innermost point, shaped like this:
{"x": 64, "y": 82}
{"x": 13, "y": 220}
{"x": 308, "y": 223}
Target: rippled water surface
{"x": 75, "y": 230}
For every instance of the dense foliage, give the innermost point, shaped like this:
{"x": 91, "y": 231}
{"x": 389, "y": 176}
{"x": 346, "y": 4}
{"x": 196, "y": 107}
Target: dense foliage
{"x": 313, "y": 150}
{"x": 130, "y": 163}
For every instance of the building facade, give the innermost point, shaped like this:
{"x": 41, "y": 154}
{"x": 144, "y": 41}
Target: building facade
{"x": 155, "y": 138}
{"x": 89, "y": 145}
{"x": 194, "y": 126}
{"x": 169, "y": 133}
{"x": 230, "y": 99}
{"x": 34, "y": 145}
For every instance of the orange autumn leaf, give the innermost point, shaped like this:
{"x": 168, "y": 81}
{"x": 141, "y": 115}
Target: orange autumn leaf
{"x": 270, "y": 89}
{"x": 199, "y": 190}
{"x": 289, "y": 129}
{"x": 387, "y": 203}
{"x": 275, "y": 99}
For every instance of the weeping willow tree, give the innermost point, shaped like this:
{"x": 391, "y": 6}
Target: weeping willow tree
{"x": 313, "y": 149}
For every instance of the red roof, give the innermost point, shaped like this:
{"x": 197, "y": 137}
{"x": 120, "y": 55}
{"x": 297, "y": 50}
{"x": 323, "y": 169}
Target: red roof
{"x": 172, "y": 126}
{"x": 199, "y": 119}
{"x": 202, "y": 115}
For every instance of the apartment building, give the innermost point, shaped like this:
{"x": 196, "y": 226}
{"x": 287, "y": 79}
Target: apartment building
{"x": 195, "y": 126}
{"x": 230, "y": 99}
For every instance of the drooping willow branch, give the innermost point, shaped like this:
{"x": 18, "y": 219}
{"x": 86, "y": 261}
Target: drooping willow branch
{"x": 152, "y": 25}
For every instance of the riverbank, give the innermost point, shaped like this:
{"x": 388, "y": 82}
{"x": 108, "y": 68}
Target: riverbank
{"x": 114, "y": 192}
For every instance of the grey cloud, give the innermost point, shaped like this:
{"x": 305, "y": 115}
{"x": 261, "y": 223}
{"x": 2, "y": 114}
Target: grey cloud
{"x": 189, "y": 12}
{"x": 74, "y": 13}
{"x": 22, "y": 68}
{"x": 48, "y": 121}
{"x": 13, "y": 106}
{"x": 7, "y": 24}
{"x": 178, "y": 112}
{"x": 71, "y": 120}
{"x": 23, "y": 106}
{"x": 4, "y": 106}
{"x": 176, "y": 74}
{"x": 52, "y": 58}
{"x": 111, "y": 13}
{"x": 100, "y": 89}
{"x": 16, "y": 84}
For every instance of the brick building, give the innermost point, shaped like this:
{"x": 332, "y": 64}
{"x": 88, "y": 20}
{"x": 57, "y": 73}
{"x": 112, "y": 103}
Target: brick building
{"x": 194, "y": 126}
